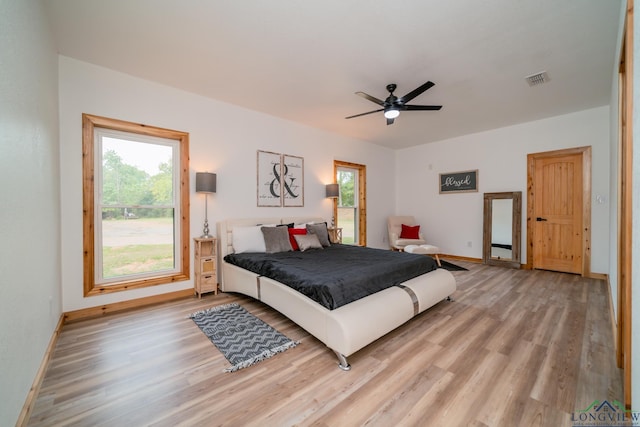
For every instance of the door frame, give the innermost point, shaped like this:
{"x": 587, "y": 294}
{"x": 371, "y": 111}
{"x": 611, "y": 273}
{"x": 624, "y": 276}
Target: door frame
{"x": 585, "y": 153}
{"x": 362, "y": 197}
{"x": 625, "y": 205}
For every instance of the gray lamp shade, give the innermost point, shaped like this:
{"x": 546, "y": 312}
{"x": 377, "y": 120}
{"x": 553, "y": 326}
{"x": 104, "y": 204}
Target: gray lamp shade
{"x": 205, "y": 182}
{"x": 332, "y": 190}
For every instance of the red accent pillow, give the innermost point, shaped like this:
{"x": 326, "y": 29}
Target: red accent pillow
{"x": 410, "y": 232}
{"x": 292, "y": 232}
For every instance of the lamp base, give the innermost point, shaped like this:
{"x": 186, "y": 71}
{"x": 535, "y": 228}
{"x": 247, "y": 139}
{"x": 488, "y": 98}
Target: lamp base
{"x": 205, "y": 230}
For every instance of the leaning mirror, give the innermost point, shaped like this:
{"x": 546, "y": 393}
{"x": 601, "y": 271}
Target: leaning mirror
{"x": 502, "y": 225}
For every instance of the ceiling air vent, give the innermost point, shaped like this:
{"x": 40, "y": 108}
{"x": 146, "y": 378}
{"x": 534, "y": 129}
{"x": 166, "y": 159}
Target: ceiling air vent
{"x": 537, "y": 78}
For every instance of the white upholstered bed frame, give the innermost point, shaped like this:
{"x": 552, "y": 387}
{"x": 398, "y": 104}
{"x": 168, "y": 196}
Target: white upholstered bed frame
{"x": 346, "y": 329}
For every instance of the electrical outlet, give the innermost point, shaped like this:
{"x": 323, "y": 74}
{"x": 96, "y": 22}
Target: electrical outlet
{"x": 469, "y": 244}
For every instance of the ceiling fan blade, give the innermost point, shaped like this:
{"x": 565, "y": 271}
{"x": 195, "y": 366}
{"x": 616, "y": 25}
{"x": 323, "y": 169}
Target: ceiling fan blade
{"x": 420, "y": 107}
{"x": 370, "y": 98}
{"x": 417, "y": 91}
{"x": 390, "y": 121}
{"x": 364, "y": 114}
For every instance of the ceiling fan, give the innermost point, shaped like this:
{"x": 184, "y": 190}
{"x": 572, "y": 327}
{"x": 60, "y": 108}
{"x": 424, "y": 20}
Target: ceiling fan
{"x": 393, "y": 105}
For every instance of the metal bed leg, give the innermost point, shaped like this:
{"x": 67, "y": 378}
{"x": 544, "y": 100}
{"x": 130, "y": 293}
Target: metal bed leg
{"x": 342, "y": 361}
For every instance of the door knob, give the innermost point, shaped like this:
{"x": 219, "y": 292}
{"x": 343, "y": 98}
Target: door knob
{"x": 541, "y": 219}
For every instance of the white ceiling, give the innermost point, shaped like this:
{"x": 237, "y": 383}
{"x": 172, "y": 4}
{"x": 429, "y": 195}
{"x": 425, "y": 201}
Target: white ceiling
{"x": 303, "y": 60}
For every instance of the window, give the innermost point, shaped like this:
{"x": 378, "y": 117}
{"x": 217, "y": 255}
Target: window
{"x": 136, "y": 205}
{"x": 350, "y": 207}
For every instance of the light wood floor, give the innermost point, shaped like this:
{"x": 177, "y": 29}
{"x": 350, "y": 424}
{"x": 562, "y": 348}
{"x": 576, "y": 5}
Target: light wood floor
{"x": 515, "y": 348}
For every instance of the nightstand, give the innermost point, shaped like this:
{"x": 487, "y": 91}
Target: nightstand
{"x": 335, "y": 234}
{"x": 206, "y": 277}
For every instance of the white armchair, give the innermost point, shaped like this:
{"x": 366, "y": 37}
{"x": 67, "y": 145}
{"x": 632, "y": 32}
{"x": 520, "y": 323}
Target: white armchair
{"x": 394, "y": 227}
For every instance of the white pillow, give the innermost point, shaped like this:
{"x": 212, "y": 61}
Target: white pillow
{"x": 248, "y": 239}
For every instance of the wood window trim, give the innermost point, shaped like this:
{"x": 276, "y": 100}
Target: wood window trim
{"x": 89, "y": 123}
{"x": 362, "y": 197}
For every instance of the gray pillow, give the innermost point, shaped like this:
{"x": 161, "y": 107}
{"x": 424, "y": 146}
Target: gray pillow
{"x": 319, "y": 230}
{"x": 307, "y": 241}
{"x": 276, "y": 239}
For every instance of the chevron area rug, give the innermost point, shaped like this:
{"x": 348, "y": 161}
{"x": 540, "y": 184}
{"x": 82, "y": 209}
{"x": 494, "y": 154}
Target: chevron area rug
{"x": 240, "y": 336}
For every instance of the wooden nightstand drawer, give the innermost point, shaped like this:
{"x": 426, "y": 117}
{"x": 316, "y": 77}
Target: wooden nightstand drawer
{"x": 207, "y": 265}
{"x": 209, "y": 283}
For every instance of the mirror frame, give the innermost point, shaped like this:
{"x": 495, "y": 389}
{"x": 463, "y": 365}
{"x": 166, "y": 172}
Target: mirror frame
{"x": 516, "y": 224}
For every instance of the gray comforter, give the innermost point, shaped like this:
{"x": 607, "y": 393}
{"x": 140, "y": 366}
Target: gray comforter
{"x": 338, "y": 274}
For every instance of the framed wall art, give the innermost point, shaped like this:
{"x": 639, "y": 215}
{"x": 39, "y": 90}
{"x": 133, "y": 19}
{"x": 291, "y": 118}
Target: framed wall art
{"x": 269, "y": 186}
{"x": 280, "y": 180}
{"x": 292, "y": 180}
{"x": 459, "y": 182}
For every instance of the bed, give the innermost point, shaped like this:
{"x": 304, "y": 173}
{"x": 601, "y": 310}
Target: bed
{"x": 344, "y": 326}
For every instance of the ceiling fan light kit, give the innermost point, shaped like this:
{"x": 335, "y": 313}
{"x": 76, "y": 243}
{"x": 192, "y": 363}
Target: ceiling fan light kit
{"x": 393, "y": 105}
{"x": 391, "y": 113}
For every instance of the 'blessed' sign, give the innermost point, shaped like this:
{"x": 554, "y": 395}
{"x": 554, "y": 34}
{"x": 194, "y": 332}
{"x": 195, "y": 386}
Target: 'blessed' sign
{"x": 458, "y": 182}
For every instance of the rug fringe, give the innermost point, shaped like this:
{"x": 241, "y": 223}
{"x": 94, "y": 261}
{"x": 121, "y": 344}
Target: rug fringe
{"x": 212, "y": 309}
{"x": 262, "y": 356}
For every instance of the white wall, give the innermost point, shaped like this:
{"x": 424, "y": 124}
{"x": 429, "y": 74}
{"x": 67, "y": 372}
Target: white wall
{"x": 450, "y": 221}
{"x": 223, "y": 139}
{"x": 614, "y": 170}
{"x": 30, "y": 291}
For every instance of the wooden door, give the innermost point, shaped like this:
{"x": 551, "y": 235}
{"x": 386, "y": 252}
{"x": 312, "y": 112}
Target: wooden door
{"x": 558, "y": 207}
